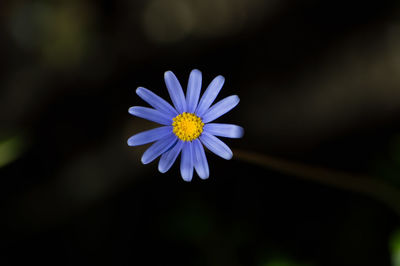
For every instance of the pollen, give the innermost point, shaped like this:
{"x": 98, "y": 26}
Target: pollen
{"x": 187, "y": 126}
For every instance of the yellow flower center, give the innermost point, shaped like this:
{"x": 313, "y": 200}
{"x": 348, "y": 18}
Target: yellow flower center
{"x": 187, "y": 126}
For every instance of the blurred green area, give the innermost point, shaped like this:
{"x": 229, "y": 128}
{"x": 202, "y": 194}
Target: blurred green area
{"x": 10, "y": 149}
{"x": 58, "y": 32}
{"x": 395, "y": 248}
{"x": 283, "y": 262}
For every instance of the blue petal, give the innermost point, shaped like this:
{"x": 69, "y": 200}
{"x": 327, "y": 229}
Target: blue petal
{"x": 168, "y": 158}
{"x": 200, "y": 160}
{"x": 158, "y": 148}
{"x": 149, "y": 136}
{"x": 187, "y": 161}
{"x": 193, "y": 90}
{"x": 156, "y": 101}
{"x": 175, "y": 91}
{"x": 209, "y": 95}
{"x": 220, "y": 108}
{"x": 151, "y": 114}
{"x": 216, "y": 146}
{"x": 224, "y": 130}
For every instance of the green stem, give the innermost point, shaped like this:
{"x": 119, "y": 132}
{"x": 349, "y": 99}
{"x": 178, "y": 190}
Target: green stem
{"x": 366, "y": 185}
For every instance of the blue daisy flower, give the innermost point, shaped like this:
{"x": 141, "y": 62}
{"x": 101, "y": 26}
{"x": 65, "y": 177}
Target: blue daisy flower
{"x": 186, "y": 128}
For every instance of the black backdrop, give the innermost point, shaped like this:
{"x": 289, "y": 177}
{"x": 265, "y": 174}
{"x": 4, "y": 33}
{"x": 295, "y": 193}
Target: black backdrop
{"x": 319, "y": 85}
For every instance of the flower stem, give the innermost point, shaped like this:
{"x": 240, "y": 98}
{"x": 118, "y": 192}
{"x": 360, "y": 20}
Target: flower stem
{"x": 366, "y": 185}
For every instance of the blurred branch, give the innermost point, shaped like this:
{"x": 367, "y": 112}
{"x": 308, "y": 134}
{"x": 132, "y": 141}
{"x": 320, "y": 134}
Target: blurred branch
{"x": 366, "y": 185}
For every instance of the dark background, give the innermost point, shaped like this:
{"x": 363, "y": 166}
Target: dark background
{"x": 319, "y": 83}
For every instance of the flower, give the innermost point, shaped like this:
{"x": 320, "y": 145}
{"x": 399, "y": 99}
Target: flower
{"x": 186, "y": 128}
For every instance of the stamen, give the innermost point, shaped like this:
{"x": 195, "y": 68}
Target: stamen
{"x": 187, "y": 126}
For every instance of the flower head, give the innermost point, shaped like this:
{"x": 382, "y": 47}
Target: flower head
{"x": 186, "y": 126}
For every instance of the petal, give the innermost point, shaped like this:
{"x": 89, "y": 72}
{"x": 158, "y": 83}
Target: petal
{"x": 187, "y": 161}
{"x": 220, "y": 108}
{"x": 224, "y": 130}
{"x": 216, "y": 146}
{"x": 158, "y": 148}
{"x": 151, "y": 114}
{"x": 193, "y": 90}
{"x": 156, "y": 101}
{"x": 210, "y": 94}
{"x": 149, "y": 136}
{"x": 200, "y": 160}
{"x": 175, "y": 91}
{"x": 168, "y": 158}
